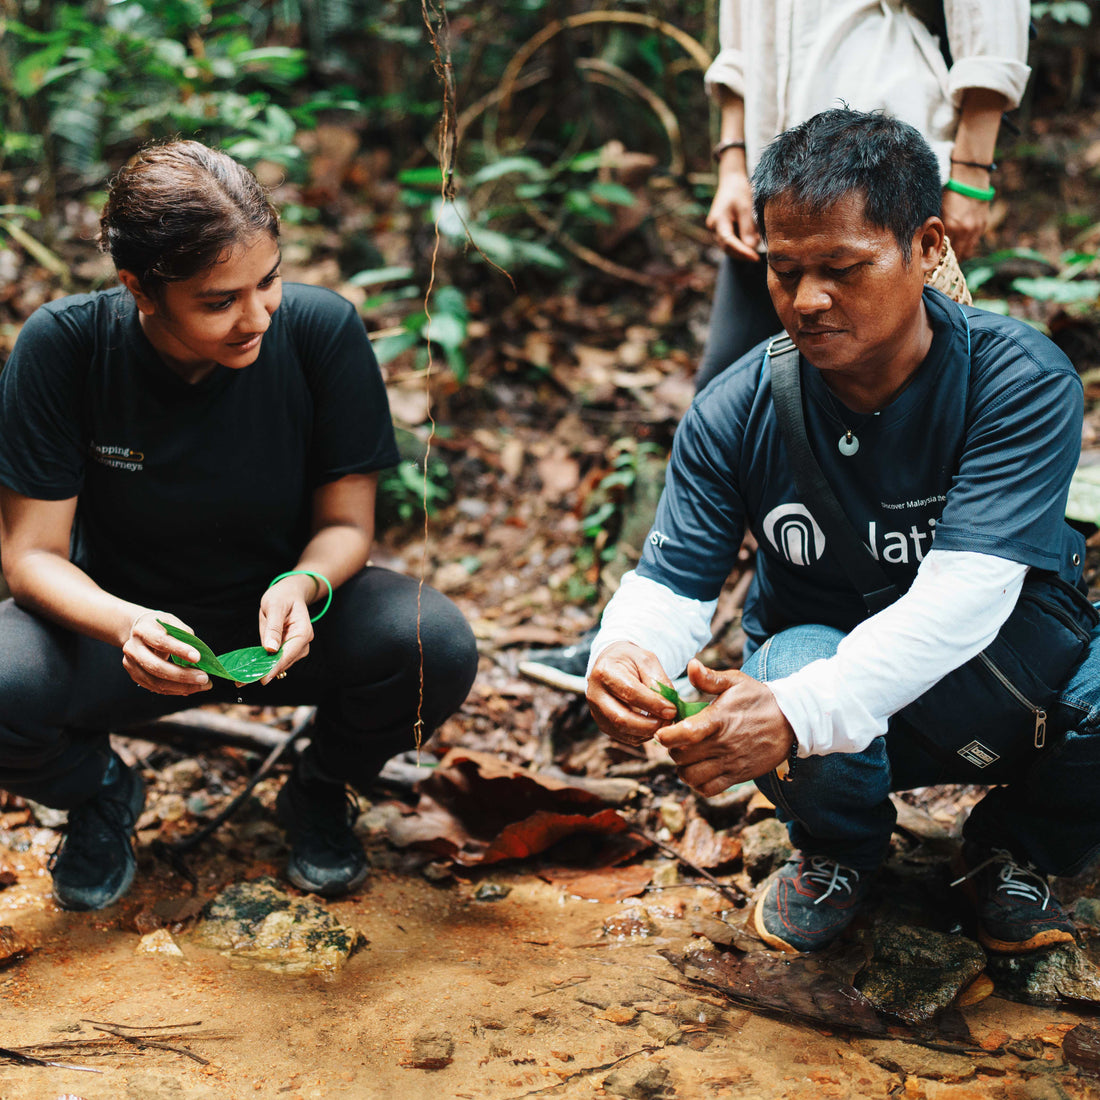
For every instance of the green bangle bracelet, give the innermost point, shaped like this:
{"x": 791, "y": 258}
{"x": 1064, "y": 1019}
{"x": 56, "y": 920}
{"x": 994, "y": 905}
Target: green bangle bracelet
{"x": 318, "y": 577}
{"x": 982, "y": 194}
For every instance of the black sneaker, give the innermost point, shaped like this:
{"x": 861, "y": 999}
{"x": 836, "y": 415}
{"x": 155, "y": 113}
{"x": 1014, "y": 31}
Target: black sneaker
{"x": 1013, "y": 904}
{"x": 94, "y": 865}
{"x": 563, "y": 667}
{"x": 325, "y": 855}
{"x": 808, "y": 903}
{"x": 566, "y": 667}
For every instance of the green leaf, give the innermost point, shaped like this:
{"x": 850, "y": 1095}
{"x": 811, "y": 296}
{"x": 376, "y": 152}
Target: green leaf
{"x": 242, "y": 666}
{"x": 421, "y": 177}
{"x": 614, "y": 193}
{"x": 527, "y": 166}
{"x": 1047, "y": 289}
{"x": 1084, "y": 495}
{"x": 683, "y": 709}
{"x": 381, "y": 275}
{"x": 447, "y": 330}
{"x": 390, "y": 347}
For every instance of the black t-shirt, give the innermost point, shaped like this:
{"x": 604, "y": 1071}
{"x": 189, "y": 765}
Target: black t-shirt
{"x": 190, "y": 496}
{"x": 975, "y": 454}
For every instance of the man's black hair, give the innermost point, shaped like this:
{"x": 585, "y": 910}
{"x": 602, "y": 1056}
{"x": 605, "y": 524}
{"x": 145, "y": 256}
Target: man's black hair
{"x": 840, "y": 151}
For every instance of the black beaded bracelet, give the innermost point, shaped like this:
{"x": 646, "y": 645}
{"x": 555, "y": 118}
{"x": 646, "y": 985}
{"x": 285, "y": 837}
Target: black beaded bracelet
{"x": 990, "y": 167}
{"x": 722, "y": 146}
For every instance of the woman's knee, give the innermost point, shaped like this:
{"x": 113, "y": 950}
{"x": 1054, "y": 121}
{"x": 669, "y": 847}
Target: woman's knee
{"x": 791, "y": 649}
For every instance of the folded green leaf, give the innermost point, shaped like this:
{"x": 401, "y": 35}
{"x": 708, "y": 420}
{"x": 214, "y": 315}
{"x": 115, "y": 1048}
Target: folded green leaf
{"x": 683, "y": 709}
{"x": 242, "y": 666}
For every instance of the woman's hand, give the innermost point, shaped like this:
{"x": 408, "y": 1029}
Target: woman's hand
{"x": 731, "y": 219}
{"x": 741, "y": 735}
{"x": 621, "y": 698}
{"x": 147, "y": 653}
{"x": 965, "y": 220}
{"x": 284, "y": 620}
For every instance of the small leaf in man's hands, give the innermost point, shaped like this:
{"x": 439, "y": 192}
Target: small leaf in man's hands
{"x": 683, "y": 709}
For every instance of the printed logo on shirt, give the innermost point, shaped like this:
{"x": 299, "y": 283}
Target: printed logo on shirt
{"x": 118, "y": 458}
{"x": 794, "y": 533}
{"x": 981, "y": 756}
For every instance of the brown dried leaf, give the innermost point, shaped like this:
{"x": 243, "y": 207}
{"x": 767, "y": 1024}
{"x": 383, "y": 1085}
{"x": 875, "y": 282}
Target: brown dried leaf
{"x": 1081, "y": 1047}
{"x": 703, "y": 847}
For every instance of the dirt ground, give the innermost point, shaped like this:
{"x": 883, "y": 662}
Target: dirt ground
{"x": 527, "y": 995}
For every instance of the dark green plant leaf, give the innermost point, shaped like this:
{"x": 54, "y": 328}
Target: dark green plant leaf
{"x": 683, "y": 709}
{"x": 242, "y": 666}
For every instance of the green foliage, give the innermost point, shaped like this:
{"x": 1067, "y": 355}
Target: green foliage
{"x": 609, "y": 493}
{"x": 442, "y": 326}
{"x": 1064, "y": 11}
{"x": 404, "y": 490}
{"x": 1060, "y": 283}
{"x": 85, "y": 79}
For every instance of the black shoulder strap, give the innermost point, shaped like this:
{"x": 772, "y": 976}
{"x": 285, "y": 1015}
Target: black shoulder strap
{"x": 861, "y": 566}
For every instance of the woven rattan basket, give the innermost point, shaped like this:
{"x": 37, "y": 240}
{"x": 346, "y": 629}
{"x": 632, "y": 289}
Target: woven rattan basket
{"x": 947, "y": 276}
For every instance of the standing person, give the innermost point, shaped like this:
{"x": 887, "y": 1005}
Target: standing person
{"x": 949, "y": 436}
{"x": 200, "y": 446}
{"x": 782, "y": 61}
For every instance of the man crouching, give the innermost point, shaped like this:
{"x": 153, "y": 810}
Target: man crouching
{"x": 948, "y": 436}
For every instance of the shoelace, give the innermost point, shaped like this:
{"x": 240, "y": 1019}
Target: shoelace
{"x": 1016, "y": 880}
{"x": 830, "y": 874}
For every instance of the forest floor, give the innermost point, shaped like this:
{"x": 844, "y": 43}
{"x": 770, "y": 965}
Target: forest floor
{"x": 537, "y": 906}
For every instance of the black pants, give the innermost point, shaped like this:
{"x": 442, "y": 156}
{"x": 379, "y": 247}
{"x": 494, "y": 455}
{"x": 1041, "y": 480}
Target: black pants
{"x": 740, "y": 318}
{"x": 60, "y": 692}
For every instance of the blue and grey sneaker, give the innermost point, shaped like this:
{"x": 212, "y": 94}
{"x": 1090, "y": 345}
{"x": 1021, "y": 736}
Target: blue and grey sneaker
{"x": 808, "y": 903}
{"x": 94, "y": 865}
{"x": 1015, "y": 910}
{"x": 325, "y": 854}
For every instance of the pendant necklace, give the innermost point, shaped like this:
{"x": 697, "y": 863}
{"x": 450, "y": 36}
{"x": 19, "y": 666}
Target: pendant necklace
{"x": 848, "y": 443}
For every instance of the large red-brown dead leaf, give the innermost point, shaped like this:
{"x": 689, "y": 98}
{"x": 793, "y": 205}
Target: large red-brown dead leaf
{"x": 476, "y": 808}
{"x": 703, "y": 847}
{"x": 605, "y": 884}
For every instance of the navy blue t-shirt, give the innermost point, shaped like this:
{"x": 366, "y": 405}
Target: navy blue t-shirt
{"x": 976, "y": 454}
{"x": 190, "y": 496}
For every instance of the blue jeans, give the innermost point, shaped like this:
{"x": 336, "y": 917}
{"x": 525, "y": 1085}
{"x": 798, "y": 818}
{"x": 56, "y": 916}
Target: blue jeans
{"x": 1023, "y": 716}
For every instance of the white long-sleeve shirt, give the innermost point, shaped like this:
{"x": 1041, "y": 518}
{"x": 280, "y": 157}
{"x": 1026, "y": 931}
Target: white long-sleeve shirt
{"x": 790, "y": 59}
{"x": 957, "y": 603}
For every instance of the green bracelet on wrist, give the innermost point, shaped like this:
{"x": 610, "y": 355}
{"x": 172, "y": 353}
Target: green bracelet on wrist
{"x": 318, "y": 577}
{"x": 982, "y": 194}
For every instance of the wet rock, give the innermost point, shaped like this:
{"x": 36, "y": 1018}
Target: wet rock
{"x": 629, "y": 924}
{"x": 607, "y": 994}
{"x": 698, "y": 1012}
{"x": 666, "y": 872}
{"x": 260, "y": 924}
{"x": 661, "y": 1028}
{"x": 13, "y": 947}
{"x": 672, "y": 816}
{"x": 910, "y": 1060}
{"x": 438, "y": 871}
{"x": 1046, "y": 977}
{"x": 171, "y": 807}
{"x": 185, "y": 775}
{"x": 47, "y": 816}
{"x": 1086, "y": 911}
{"x": 491, "y": 891}
{"x": 431, "y": 1049}
{"x": 158, "y": 942}
{"x": 764, "y": 847}
{"x": 636, "y": 1083}
{"x": 1081, "y": 1047}
{"x": 914, "y": 974}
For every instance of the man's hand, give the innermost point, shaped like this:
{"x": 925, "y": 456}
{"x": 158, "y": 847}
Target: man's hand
{"x": 741, "y": 735}
{"x": 621, "y": 698}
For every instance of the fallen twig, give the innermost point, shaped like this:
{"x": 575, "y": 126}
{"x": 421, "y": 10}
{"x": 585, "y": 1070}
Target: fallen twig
{"x": 731, "y": 892}
{"x": 21, "y": 1059}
